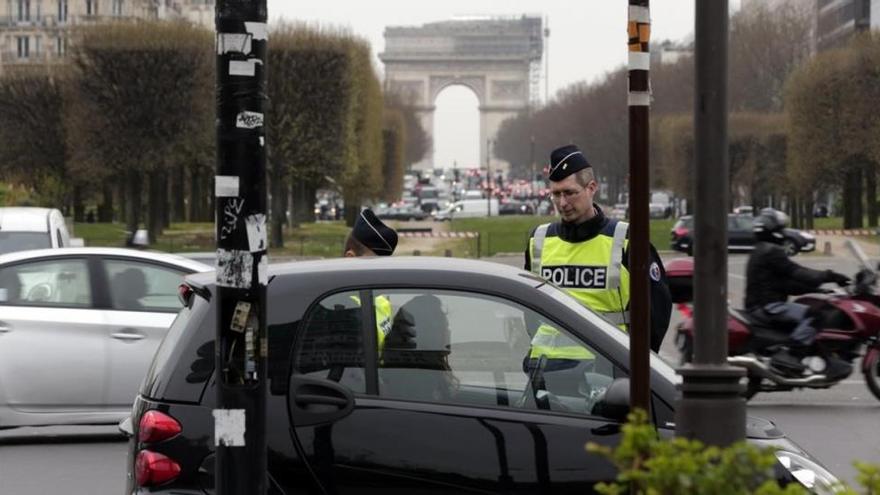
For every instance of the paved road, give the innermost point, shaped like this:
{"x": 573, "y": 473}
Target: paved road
{"x": 837, "y": 426}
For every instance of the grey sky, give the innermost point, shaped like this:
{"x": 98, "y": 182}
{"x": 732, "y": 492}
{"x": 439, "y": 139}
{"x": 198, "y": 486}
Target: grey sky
{"x": 587, "y": 39}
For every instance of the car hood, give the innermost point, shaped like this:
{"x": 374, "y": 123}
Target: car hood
{"x": 760, "y": 428}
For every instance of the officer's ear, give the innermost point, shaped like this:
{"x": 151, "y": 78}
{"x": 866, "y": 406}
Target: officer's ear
{"x": 349, "y": 253}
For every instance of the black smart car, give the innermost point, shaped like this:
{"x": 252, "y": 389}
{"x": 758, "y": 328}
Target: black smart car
{"x": 443, "y": 406}
{"x": 740, "y": 237}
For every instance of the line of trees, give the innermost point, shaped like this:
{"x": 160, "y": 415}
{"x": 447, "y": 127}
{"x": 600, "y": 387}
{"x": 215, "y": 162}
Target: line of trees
{"x": 128, "y": 124}
{"x": 800, "y": 126}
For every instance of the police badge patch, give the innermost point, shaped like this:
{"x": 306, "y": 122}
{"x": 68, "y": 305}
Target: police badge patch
{"x": 654, "y": 271}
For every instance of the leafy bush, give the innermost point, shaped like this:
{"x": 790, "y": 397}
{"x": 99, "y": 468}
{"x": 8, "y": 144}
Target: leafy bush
{"x": 651, "y": 465}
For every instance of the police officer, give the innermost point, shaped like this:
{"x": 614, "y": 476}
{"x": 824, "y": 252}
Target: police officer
{"x": 371, "y": 237}
{"x": 585, "y": 254}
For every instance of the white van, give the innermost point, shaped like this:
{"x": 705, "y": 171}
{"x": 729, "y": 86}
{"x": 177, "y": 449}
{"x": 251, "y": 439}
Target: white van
{"x": 468, "y": 208}
{"x": 23, "y": 228}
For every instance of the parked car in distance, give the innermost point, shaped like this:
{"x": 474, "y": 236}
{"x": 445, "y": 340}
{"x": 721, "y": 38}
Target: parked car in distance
{"x": 620, "y": 211}
{"x": 516, "y": 208}
{"x": 447, "y": 399}
{"x": 78, "y": 328}
{"x": 468, "y": 208}
{"x": 23, "y": 228}
{"x": 740, "y": 236}
{"x": 404, "y": 213}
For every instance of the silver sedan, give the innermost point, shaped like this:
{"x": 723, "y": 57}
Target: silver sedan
{"x": 78, "y": 329}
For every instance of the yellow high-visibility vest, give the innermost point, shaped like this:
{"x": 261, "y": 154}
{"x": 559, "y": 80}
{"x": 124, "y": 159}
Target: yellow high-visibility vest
{"x": 591, "y": 271}
{"x": 384, "y": 312}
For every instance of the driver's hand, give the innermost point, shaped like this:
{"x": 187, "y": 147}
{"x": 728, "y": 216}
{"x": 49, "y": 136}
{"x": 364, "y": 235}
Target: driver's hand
{"x": 837, "y": 278}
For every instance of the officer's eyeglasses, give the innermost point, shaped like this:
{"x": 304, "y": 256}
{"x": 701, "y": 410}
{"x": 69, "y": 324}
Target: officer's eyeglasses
{"x": 568, "y": 194}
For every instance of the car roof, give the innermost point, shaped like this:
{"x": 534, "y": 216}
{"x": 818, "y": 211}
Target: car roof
{"x": 437, "y": 270}
{"x": 24, "y": 219}
{"x": 110, "y": 252}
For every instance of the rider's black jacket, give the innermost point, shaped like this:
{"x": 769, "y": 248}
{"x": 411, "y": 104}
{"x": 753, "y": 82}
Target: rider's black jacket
{"x": 771, "y": 276}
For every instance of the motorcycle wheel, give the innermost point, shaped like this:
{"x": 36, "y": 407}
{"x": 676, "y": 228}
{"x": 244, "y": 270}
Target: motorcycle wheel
{"x": 872, "y": 372}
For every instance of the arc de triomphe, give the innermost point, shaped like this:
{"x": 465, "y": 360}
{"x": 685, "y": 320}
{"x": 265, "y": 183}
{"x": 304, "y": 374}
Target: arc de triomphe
{"x": 499, "y": 59}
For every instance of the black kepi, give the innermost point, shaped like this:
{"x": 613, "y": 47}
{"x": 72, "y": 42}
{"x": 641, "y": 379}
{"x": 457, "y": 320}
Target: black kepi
{"x": 372, "y": 233}
{"x": 565, "y": 161}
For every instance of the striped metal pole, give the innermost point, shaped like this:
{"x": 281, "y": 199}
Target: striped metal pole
{"x": 639, "y": 31}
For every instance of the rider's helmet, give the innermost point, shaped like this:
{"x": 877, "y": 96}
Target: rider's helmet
{"x": 769, "y": 224}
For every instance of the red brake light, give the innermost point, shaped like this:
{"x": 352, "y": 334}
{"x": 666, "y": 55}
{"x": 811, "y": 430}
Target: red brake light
{"x": 185, "y": 293}
{"x": 153, "y": 468}
{"x": 156, "y": 426}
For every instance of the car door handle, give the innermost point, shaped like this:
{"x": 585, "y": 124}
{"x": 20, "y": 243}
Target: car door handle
{"x": 127, "y": 336}
{"x": 309, "y": 399}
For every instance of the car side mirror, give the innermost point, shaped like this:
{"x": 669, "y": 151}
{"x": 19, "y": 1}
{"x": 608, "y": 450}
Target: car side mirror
{"x": 614, "y": 403}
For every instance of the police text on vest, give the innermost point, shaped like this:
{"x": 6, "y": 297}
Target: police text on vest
{"x": 577, "y": 276}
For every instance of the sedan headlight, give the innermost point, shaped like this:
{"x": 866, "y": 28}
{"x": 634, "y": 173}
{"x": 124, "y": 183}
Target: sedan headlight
{"x": 808, "y": 236}
{"x": 809, "y": 473}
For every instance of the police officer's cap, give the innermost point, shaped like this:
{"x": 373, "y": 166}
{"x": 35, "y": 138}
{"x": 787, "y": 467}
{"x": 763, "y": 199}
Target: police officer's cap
{"x": 565, "y": 161}
{"x": 372, "y": 233}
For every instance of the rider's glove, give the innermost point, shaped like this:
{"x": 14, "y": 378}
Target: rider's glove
{"x": 837, "y": 278}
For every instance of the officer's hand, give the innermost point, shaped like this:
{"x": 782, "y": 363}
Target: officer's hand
{"x": 837, "y": 278}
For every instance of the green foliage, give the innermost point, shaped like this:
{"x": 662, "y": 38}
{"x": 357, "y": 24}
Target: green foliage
{"x": 32, "y": 133}
{"x": 655, "y": 466}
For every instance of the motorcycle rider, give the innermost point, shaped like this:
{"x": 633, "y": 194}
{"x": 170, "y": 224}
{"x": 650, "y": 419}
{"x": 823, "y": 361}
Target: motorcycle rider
{"x": 771, "y": 276}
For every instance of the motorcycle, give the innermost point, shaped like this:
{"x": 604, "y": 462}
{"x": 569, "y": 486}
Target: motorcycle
{"x": 848, "y": 325}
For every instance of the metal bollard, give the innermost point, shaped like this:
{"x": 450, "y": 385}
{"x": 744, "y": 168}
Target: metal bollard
{"x": 448, "y": 253}
{"x": 827, "y": 250}
{"x": 416, "y": 252}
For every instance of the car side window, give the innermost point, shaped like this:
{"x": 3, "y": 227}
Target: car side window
{"x": 136, "y": 286}
{"x": 467, "y": 348}
{"x": 61, "y": 283}
{"x": 331, "y": 344}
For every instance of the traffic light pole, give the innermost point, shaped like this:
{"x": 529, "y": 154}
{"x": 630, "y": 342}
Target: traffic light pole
{"x": 711, "y": 408}
{"x": 240, "y": 189}
{"x": 639, "y": 31}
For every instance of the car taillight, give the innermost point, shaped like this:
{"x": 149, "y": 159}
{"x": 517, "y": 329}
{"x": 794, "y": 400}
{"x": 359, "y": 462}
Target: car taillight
{"x": 156, "y": 426}
{"x": 681, "y": 231}
{"x": 153, "y": 468}
{"x": 185, "y": 294}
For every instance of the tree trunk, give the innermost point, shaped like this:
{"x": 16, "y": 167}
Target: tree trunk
{"x": 278, "y": 213}
{"x": 195, "y": 195}
{"x": 297, "y": 193}
{"x": 105, "y": 210}
{"x": 852, "y": 199}
{"x": 871, "y": 191}
{"x": 795, "y": 212}
{"x": 79, "y": 209}
{"x": 178, "y": 208}
{"x": 165, "y": 201}
{"x": 154, "y": 206}
{"x": 132, "y": 201}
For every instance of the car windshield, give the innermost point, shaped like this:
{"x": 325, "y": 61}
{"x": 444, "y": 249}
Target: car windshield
{"x": 21, "y": 241}
{"x": 657, "y": 363}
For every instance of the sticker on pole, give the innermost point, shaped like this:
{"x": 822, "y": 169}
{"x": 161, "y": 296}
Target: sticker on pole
{"x": 229, "y": 427}
{"x": 249, "y": 120}
{"x": 234, "y": 269}
{"x": 226, "y": 186}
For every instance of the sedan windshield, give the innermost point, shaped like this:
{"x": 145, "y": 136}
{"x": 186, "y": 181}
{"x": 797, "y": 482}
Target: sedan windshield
{"x": 21, "y": 241}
